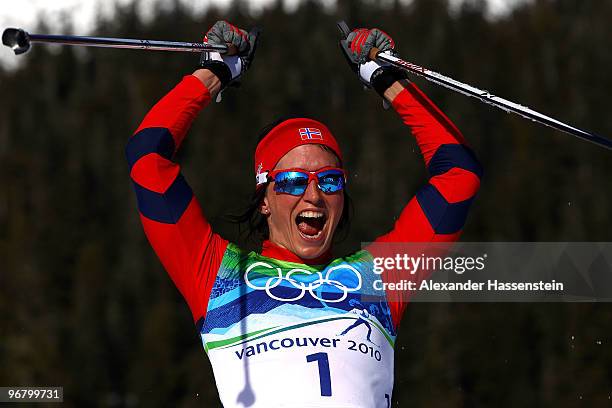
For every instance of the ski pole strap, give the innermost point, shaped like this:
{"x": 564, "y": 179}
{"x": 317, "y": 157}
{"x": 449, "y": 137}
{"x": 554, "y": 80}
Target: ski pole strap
{"x": 220, "y": 70}
{"x": 384, "y": 77}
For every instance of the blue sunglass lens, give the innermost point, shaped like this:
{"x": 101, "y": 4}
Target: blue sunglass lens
{"x": 291, "y": 182}
{"x": 331, "y": 181}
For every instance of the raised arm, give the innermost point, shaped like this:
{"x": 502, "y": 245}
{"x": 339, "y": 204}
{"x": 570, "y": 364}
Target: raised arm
{"x": 171, "y": 216}
{"x": 439, "y": 210}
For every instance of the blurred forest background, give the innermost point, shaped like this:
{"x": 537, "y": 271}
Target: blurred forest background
{"x": 86, "y": 305}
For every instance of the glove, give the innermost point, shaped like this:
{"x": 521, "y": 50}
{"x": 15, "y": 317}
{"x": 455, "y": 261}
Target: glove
{"x": 229, "y": 68}
{"x": 356, "y": 48}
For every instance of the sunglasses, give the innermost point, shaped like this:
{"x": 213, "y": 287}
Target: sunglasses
{"x": 295, "y": 181}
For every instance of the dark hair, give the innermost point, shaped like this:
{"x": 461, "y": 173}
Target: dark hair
{"x": 256, "y": 223}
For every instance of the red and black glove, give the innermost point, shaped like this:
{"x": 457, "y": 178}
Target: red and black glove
{"x": 357, "y": 45}
{"x": 228, "y": 68}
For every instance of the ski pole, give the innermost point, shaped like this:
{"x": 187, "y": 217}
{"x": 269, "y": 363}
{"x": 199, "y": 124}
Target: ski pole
{"x": 483, "y": 95}
{"x": 20, "y": 41}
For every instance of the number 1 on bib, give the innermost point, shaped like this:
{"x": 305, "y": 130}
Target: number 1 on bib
{"x": 324, "y": 374}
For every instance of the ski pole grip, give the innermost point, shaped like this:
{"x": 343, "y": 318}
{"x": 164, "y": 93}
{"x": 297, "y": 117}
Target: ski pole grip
{"x": 373, "y": 53}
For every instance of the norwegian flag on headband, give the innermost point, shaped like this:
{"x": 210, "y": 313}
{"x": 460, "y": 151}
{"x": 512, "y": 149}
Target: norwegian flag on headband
{"x": 310, "y": 133}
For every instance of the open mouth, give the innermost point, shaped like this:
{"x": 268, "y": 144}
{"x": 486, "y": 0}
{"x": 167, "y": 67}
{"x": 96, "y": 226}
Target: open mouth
{"x": 310, "y": 224}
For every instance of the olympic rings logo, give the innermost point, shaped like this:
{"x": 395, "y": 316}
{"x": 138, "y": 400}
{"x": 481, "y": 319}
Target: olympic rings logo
{"x": 311, "y": 287}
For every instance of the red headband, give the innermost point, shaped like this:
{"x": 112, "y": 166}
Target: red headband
{"x": 284, "y": 137}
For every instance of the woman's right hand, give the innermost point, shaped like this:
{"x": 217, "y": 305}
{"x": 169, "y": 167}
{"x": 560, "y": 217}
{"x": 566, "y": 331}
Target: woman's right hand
{"x": 229, "y": 67}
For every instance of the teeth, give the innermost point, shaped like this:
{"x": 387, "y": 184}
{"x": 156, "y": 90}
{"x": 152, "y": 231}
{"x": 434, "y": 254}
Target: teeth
{"x": 317, "y": 235}
{"x": 311, "y": 214}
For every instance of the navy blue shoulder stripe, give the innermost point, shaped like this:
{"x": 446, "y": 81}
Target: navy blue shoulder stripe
{"x": 444, "y": 217}
{"x": 453, "y": 155}
{"x": 167, "y": 207}
{"x": 149, "y": 140}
